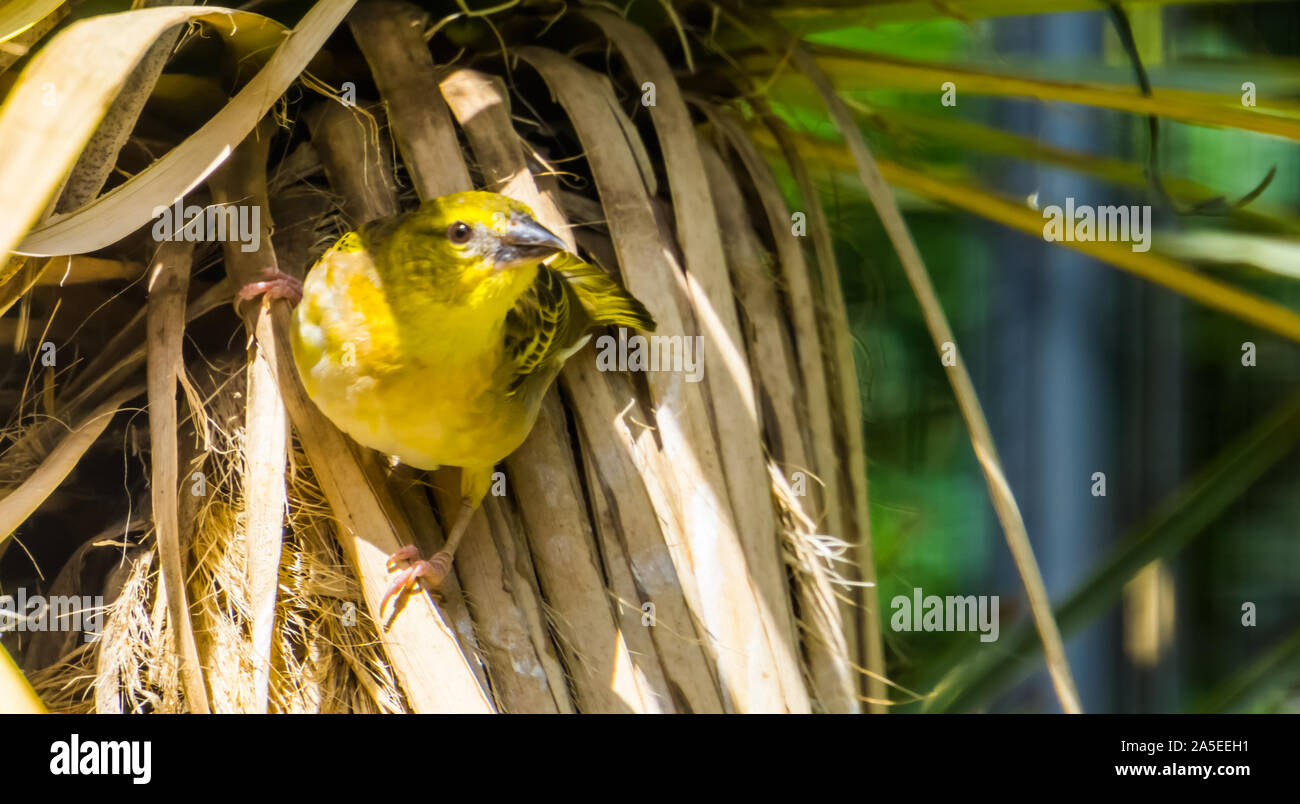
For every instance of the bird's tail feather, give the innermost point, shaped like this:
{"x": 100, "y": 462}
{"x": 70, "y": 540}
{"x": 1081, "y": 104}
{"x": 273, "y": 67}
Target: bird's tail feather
{"x": 602, "y": 297}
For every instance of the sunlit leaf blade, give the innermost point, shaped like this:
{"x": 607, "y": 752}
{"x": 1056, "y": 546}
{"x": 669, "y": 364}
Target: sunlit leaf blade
{"x": 20, "y": 32}
{"x": 854, "y": 71}
{"x": 91, "y": 85}
{"x": 1273, "y": 254}
{"x": 1121, "y": 172}
{"x": 20, "y": 15}
{"x": 1145, "y": 264}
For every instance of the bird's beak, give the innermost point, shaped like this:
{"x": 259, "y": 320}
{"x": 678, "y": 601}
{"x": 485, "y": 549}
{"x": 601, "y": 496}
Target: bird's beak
{"x": 525, "y": 240}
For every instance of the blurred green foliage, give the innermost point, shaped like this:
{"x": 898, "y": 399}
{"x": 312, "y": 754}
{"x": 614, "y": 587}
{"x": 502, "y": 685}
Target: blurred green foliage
{"x": 933, "y": 527}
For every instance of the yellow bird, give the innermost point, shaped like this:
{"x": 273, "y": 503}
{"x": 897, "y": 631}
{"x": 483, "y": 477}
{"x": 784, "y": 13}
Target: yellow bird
{"x": 432, "y": 336}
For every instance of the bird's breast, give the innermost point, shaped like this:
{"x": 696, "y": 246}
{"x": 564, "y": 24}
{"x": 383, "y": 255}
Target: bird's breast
{"x": 427, "y": 391}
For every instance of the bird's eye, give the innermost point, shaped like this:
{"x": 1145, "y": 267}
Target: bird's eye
{"x": 459, "y": 233}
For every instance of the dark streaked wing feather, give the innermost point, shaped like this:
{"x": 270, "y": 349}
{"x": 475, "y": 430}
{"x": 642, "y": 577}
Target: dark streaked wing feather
{"x": 568, "y": 297}
{"x": 536, "y": 327}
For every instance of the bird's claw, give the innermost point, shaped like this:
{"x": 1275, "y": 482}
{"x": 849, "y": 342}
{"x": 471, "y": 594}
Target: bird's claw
{"x": 434, "y": 571}
{"x": 276, "y": 285}
{"x": 404, "y": 553}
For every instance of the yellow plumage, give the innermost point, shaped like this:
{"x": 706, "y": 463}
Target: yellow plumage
{"x": 432, "y": 336}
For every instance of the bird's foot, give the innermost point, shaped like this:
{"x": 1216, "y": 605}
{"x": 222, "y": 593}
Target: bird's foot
{"x": 276, "y": 285}
{"x": 434, "y": 571}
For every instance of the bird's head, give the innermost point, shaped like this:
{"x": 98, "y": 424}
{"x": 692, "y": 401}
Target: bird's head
{"x": 474, "y": 247}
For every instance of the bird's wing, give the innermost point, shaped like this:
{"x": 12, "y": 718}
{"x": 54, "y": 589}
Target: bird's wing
{"x": 534, "y": 327}
{"x": 605, "y": 301}
{"x": 550, "y": 321}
